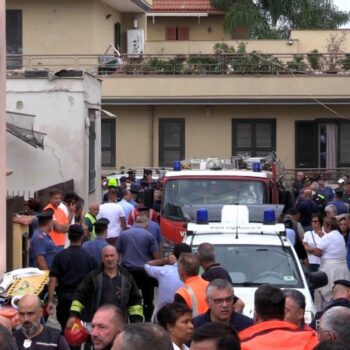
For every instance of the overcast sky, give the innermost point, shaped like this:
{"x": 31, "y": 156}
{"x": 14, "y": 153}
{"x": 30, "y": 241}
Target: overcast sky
{"x": 343, "y": 5}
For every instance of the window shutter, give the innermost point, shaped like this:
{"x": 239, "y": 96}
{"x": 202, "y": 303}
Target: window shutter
{"x": 183, "y": 33}
{"x": 305, "y": 145}
{"x": 170, "y": 33}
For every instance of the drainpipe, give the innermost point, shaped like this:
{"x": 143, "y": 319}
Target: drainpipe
{"x": 2, "y": 139}
{"x": 152, "y": 136}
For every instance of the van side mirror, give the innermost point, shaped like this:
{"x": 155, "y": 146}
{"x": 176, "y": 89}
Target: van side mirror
{"x": 317, "y": 279}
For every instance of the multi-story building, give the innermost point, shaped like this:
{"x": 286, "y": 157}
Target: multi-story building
{"x": 171, "y": 104}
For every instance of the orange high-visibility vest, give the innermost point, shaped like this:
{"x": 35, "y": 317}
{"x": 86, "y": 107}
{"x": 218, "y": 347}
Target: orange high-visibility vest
{"x": 193, "y": 292}
{"x": 60, "y": 216}
{"x": 275, "y": 334}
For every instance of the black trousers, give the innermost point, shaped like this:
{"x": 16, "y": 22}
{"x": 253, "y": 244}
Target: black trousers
{"x": 146, "y": 284}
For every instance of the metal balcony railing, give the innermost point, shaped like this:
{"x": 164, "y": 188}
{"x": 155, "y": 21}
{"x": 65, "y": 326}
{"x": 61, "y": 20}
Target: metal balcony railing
{"x": 216, "y": 64}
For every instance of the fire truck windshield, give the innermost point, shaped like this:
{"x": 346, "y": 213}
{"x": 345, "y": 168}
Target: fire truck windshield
{"x": 183, "y": 196}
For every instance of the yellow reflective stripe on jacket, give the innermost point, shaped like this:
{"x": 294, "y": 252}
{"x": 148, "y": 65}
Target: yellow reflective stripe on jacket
{"x": 93, "y": 220}
{"x": 136, "y": 310}
{"x": 76, "y": 306}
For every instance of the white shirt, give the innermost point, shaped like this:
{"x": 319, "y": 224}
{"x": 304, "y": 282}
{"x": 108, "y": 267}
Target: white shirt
{"x": 113, "y": 212}
{"x": 333, "y": 245}
{"x": 312, "y": 239}
{"x": 184, "y": 347}
{"x": 66, "y": 211}
{"x": 168, "y": 282}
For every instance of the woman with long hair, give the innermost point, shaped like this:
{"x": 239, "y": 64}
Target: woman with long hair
{"x": 344, "y": 228}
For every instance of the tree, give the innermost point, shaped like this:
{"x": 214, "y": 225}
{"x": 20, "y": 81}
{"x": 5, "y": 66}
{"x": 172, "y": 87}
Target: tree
{"x": 266, "y": 19}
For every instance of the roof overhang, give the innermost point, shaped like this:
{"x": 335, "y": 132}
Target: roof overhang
{"x": 177, "y": 14}
{"x": 129, "y": 5}
{"x": 222, "y": 102}
{"x": 108, "y": 114}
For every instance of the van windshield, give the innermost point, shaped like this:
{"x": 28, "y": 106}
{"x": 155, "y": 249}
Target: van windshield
{"x": 182, "y": 195}
{"x": 253, "y": 265}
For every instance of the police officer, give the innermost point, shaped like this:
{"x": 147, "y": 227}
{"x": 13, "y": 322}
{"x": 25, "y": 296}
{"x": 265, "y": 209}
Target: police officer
{"x": 95, "y": 247}
{"x": 69, "y": 267}
{"x": 42, "y": 247}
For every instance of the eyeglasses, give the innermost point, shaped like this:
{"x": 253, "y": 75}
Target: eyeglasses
{"x": 220, "y": 301}
{"x": 314, "y": 221}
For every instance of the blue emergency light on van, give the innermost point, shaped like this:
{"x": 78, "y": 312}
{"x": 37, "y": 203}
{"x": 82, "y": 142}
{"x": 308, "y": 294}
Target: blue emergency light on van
{"x": 176, "y": 165}
{"x": 269, "y": 216}
{"x": 256, "y": 167}
{"x": 202, "y": 216}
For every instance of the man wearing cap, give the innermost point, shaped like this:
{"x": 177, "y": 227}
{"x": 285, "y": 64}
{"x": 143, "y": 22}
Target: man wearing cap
{"x": 340, "y": 297}
{"x": 134, "y": 190}
{"x": 112, "y": 184}
{"x": 115, "y": 214}
{"x": 68, "y": 269}
{"x": 147, "y": 181}
{"x": 131, "y": 176}
{"x": 342, "y": 208}
{"x": 95, "y": 247}
{"x": 90, "y": 219}
{"x": 42, "y": 247}
{"x": 152, "y": 214}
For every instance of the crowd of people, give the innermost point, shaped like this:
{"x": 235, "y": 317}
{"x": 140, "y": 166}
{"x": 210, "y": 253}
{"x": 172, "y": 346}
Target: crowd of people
{"x": 321, "y": 220}
{"x": 106, "y": 263}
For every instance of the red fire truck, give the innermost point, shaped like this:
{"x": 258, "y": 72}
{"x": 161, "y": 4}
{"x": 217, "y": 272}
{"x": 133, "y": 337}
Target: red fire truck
{"x": 211, "y": 184}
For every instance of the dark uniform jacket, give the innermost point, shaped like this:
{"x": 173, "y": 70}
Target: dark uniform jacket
{"x": 89, "y": 292}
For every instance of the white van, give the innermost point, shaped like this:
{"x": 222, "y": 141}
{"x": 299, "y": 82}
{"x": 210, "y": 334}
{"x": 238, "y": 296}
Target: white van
{"x": 253, "y": 254}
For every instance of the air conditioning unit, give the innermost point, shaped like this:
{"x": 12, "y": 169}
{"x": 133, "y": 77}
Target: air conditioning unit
{"x": 135, "y": 42}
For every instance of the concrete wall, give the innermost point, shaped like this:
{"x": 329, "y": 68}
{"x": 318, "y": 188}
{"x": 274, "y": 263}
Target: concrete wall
{"x": 202, "y": 28}
{"x": 206, "y": 46}
{"x": 252, "y": 86}
{"x": 65, "y": 26}
{"x": 302, "y": 41}
{"x": 208, "y": 130}
{"x": 308, "y": 40}
{"x": 61, "y": 109}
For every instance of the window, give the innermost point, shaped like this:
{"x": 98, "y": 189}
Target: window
{"x": 108, "y": 142}
{"x": 255, "y": 138}
{"x": 177, "y": 33}
{"x": 92, "y": 139}
{"x": 322, "y": 144}
{"x": 171, "y": 141}
{"x": 14, "y": 38}
{"x": 183, "y": 197}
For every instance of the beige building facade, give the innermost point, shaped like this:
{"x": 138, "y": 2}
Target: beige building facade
{"x": 162, "y": 117}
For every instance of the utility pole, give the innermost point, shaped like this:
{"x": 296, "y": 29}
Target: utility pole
{"x": 2, "y": 138}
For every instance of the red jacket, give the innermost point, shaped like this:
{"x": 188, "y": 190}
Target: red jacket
{"x": 275, "y": 334}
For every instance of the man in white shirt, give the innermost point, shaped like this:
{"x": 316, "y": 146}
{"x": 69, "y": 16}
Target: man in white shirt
{"x": 115, "y": 214}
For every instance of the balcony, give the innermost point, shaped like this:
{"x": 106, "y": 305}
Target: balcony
{"x": 222, "y": 76}
{"x": 196, "y": 64}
